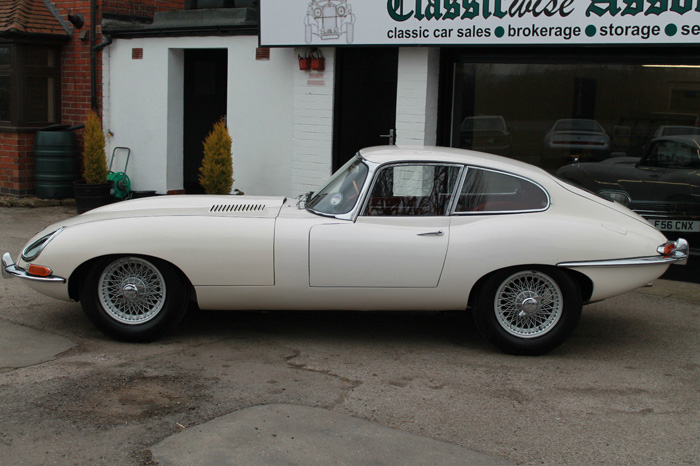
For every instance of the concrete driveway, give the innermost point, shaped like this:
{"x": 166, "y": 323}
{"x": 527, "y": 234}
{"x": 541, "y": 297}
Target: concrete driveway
{"x": 344, "y": 388}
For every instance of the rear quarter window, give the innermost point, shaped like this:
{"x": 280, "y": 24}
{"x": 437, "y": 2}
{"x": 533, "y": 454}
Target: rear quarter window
{"x": 487, "y": 191}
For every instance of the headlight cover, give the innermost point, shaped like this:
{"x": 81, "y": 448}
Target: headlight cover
{"x": 32, "y": 251}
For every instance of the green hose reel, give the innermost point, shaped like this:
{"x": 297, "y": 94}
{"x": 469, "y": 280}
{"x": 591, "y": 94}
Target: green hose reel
{"x": 121, "y": 188}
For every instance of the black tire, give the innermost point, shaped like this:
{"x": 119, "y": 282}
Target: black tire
{"x": 134, "y": 298}
{"x": 528, "y": 310}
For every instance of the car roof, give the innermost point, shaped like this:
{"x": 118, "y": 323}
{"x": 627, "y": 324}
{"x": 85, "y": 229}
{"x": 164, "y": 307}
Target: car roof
{"x": 389, "y": 154}
{"x": 689, "y": 139}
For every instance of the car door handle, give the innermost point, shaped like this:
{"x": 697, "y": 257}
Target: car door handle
{"x": 432, "y": 233}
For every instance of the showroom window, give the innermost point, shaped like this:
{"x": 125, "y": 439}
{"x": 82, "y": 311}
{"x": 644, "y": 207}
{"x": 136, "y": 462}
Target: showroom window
{"x": 29, "y": 85}
{"x": 551, "y": 110}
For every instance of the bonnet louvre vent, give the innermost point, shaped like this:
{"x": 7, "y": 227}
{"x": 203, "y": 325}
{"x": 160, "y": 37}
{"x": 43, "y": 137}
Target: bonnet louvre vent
{"x": 237, "y": 208}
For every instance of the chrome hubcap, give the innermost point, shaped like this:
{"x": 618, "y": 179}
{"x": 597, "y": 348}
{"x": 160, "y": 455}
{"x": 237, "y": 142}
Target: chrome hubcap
{"x": 132, "y": 290}
{"x": 529, "y": 307}
{"x": 528, "y": 304}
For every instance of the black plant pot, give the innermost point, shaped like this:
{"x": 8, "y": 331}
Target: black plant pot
{"x": 91, "y": 196}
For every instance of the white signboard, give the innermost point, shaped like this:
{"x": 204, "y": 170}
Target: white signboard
{"x": 478, "y": 22}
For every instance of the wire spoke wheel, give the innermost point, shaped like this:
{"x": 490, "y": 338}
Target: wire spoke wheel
{"x": 528, "y": 304}
{"x": 131, "y": 290}
{"x": 528, "y": 310}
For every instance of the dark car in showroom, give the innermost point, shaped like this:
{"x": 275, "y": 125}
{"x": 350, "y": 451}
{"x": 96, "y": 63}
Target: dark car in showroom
{"x": 663, "y": 185}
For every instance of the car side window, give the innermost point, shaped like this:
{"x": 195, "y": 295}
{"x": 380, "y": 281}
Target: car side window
{"x": 486, "y": 191}
{"x": 412, "y": 190}
{"x": 660, "y": 154}
{"x": 671, "y": 154}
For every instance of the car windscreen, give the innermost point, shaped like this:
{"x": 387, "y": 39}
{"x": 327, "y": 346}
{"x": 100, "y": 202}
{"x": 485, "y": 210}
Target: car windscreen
{"x": 578, "y": 125}
{"x": 342, "y": 192}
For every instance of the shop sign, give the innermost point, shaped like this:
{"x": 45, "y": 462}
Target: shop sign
{"x": 478, "y": 22}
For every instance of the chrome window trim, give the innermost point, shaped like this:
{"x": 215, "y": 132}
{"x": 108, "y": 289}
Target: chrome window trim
{"x": 498, "y": 212}
{"x": 377, "y": 167}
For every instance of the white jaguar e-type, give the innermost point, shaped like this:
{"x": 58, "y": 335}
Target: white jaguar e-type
{"x": 396, "y": 228}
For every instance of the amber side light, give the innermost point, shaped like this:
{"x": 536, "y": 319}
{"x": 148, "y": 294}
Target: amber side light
{"x": 39, "y": 270}
{"x": 669, "y": 248}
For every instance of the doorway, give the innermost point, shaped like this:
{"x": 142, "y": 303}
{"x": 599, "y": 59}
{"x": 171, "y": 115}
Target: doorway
{"x": 205, "y": 83}
{"x": 365, "y": 99}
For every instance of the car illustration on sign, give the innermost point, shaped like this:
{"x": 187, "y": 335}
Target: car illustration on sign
{"x": 395, "y": 228}
{"x": 328, "y": 20}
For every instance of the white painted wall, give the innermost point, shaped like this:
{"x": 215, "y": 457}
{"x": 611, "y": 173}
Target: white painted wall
{"x": 313, "y": 125}
{"x": 280, "y": 118}
{"x": 143, "y": 109}
{"x": 417, "y": 96}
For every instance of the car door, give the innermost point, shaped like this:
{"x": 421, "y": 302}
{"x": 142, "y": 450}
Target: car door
{"x": 400, "y": 237}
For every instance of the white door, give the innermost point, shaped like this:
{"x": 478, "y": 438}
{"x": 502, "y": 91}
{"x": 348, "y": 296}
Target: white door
{"x": 386, "y": 252}
{"x": 400, "y": 238}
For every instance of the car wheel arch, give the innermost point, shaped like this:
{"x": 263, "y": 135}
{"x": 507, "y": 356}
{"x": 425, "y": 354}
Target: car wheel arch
{"x": 76, "y": 278}
{"x": 585, "y": 285}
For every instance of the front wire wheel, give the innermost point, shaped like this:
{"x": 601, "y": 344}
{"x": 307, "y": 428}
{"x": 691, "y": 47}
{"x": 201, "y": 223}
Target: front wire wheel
{"x": 132, "y": 290}
{"x": 528, "y": 310}
{"x": 134, "y": 298}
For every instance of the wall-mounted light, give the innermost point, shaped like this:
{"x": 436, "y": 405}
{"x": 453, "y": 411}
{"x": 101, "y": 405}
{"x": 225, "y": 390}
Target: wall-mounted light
{"x": 312, "y": 60}
{"x": 671, "y": 66}
{"x": 77, "y": 20}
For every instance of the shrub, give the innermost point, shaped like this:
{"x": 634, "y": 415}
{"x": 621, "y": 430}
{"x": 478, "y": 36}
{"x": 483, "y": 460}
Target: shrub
{"x": 94, "y": 158}
{"x": 216, "y": 172}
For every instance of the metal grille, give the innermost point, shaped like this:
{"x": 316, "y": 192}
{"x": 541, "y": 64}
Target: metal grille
{"x": 237, "y": 208}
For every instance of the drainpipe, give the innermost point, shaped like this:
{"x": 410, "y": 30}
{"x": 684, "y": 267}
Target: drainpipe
{"x": 93, "y": 61}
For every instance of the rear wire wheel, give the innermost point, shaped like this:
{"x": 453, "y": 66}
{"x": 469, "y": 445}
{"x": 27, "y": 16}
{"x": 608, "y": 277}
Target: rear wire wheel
{"x": 134, "y": 298}
{"x": 528, "y": 310}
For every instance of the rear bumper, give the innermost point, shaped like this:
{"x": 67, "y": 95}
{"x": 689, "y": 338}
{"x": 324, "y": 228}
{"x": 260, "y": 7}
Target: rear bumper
{"x": 11, "y": 270}
{"x": 673, "y": 252}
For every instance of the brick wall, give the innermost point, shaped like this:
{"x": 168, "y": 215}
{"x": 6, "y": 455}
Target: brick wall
{"x": 16, "y": 149}
{"x": 16, "y": 164}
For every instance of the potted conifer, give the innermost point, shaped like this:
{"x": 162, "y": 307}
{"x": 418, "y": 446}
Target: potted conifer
{"x": 94, "y": 189}
{"x": 216, "y": 172}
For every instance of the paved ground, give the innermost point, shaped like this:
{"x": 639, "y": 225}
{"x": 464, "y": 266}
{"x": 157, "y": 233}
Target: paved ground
{"x": 344, "y": 388}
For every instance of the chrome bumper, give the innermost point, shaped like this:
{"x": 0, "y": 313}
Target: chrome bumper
{"x": 672, "y": 252}
{"x": 10, "y": 270}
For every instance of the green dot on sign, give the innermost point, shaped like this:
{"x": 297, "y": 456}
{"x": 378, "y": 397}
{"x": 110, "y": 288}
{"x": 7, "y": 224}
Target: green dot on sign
{"x": 500, "y": 31}
{"x": 591, "y": 30}
{"x": 671, "y": 29}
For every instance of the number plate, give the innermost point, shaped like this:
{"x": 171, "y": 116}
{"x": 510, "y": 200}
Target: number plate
{"x": 677, "y": 225}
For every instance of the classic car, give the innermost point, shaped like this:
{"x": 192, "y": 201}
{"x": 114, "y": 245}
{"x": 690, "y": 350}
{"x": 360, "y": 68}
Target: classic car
{"x": 578, "y": 138}
{"x": 676, "y": 131}
{"x": 329, "y": 19}
{"x": 487, "y": 133}
{"x": 395, "y": 228}
{"x": 663, "y": 185}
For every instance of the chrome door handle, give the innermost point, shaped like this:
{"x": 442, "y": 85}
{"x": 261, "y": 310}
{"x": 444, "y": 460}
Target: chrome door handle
{"x": 432, "y": 233}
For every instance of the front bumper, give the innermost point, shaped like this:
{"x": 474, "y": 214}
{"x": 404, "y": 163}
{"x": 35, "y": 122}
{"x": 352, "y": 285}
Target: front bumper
{"x": 673, "y": 252}
{"x": 11, "y": 270}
